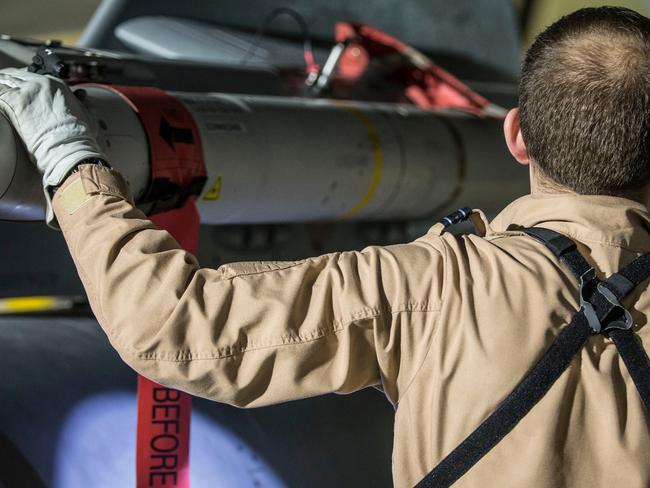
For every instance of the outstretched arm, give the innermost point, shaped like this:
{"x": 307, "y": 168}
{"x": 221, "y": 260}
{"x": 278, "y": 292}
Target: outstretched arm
{"x": 248, "y": 334}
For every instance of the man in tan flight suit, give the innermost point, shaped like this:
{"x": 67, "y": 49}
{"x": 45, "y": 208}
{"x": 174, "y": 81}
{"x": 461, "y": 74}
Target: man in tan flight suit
{"x": 446, "y": 325}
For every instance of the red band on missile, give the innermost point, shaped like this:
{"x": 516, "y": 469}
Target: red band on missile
{"x": 176, "y": 153}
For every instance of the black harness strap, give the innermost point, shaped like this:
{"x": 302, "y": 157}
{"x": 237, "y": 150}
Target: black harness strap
{"x": 636, "y": 361}
{"x": 600, "y": 305}
{"x": 627, "y": 343}
{"x": 563, "y": 248}
{"x": 522, "y": 399}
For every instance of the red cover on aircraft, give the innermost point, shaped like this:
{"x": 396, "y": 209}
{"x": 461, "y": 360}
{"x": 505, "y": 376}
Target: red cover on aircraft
{"x": 423, "y": 82}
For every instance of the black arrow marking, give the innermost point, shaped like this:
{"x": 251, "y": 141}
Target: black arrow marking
{"x": 171, "y": 135}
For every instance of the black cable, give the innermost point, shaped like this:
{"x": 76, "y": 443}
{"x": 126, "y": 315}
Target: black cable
{"x": 261, "y": 32}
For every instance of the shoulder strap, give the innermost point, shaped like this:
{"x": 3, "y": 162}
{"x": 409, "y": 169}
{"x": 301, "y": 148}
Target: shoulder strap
{"x": 627, "y": 342}
{"x": 636, "y": 361}
{"x": 564, "y": 249}
{"x": 595, "y": 310}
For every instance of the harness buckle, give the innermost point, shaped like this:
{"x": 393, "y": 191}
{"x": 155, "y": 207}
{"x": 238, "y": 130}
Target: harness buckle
{"x": 588, "y": 282}
{"x": 623, "y": 323}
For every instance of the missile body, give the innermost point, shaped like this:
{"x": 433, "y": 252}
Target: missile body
{"x": 21, "y": 192}
{"x": 281, "y": 159}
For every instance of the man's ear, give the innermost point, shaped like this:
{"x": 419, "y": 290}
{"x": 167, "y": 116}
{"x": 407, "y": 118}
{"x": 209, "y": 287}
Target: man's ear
{"x": 514, "y": 139}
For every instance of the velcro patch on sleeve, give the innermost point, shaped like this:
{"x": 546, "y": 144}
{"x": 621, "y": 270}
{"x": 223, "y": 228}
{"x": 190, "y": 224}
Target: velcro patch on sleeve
{"x": 72, "y": 197}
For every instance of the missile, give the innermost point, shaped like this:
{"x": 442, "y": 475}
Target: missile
{"x": 272, "y": 159}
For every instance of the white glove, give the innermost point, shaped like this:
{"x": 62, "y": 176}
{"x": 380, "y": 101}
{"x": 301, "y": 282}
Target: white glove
{"x": 51, "y": 121}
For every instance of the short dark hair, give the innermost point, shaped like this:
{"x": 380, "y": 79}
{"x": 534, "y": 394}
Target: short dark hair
{"x": 584, "y": 100}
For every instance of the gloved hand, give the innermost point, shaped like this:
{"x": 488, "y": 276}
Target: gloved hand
{"x": 51, "y": 121}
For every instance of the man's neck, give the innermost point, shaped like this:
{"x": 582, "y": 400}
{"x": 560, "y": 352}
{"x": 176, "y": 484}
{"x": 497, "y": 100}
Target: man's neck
{"x": 541, "y": 185}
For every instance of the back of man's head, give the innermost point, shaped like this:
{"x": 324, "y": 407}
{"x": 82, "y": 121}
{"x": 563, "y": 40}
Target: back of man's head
{"x": 585, "y": 102}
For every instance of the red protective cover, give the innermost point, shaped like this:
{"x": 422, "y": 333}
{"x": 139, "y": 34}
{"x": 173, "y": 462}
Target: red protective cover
{"x": 423, "y": 83}
{"x": 163, "y": 437}
{"x": 174, "y": 138}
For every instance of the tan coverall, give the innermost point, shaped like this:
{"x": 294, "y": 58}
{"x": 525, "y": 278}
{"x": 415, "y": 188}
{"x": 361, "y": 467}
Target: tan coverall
{"x": 446, "y": 325}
